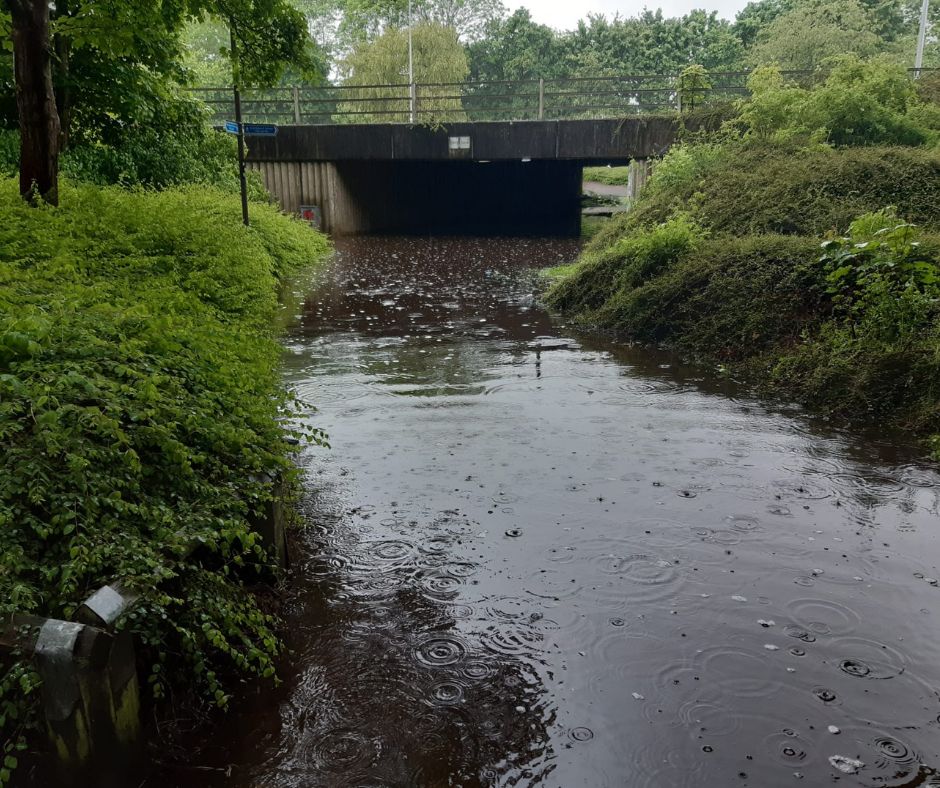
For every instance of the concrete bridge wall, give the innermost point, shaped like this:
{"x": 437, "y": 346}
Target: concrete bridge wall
{"x": 493, "y": 177}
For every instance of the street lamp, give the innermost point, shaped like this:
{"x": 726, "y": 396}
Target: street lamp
{"x": 921, "y": 39}
{"x": 411, "y": 69}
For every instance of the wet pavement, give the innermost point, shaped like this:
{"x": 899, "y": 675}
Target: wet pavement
{"x": 541, "y": 559}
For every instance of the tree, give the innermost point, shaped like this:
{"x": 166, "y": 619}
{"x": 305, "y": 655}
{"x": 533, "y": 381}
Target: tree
{"x": 469, "y": 18}
{"x": 752, "y": 20}
{"x": 516, "y": 48}
{"x": 40, "y": 128}
{"x": 814, "y": 31}
{"x": 104, "y": 47}
{"x": 653, "y": 44}
{"x": 438, "y": 58}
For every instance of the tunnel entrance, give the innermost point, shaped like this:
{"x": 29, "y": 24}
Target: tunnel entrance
{"x": 457, "y": 197}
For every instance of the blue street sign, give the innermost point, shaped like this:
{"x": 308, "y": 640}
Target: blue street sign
{"x": 231, "y": 127}
{"x": 259, "y": 130}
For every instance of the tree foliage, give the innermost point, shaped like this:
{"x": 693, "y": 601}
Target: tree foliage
{"x": 139, "y": 403}
{"x": 114, "y": 64}
{"x": 815, "y": 30}
{"x": 859, "y": 103}
{"x": 438, "y": 58}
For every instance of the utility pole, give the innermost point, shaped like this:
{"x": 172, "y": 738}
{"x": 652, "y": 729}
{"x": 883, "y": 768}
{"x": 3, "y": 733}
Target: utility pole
{"x": 412, "y": 96}
{"x": 236, "y": 87}
{"x": 921, "y": 39}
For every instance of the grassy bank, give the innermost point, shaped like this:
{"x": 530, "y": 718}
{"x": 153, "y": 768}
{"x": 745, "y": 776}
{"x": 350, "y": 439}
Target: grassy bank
{"x": 612, "y": 176}
{"x": 723, "y": 259}
{"x": 140, "y": 399}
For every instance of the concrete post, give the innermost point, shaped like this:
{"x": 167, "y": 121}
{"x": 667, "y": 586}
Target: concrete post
{"x": 638, "y": 174}
{"x": 89, "y": 697}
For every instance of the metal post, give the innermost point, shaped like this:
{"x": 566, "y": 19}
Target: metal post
{"x": 236, "y": 78}
{"x": 541, "y": 99}
{"x": 412, "y": 93}
{"x": 296, "y": 105}
{"x": 921, "y": 39}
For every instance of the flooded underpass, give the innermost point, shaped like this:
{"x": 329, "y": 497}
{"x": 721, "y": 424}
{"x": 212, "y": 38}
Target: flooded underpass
{"x": 538, "y": 558}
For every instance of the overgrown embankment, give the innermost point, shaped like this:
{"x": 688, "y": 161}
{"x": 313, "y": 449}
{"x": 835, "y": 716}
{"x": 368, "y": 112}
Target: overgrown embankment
{"x": 140, "y": 402}
{"x": 813, "y": 270}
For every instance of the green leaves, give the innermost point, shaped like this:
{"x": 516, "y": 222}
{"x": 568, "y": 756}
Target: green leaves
{"x": 858, "y": 103}
{"x": 879, "y": 278}
{"x": 139, "y": 400}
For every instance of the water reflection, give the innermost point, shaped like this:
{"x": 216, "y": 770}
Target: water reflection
{"x": 542, "y": 559}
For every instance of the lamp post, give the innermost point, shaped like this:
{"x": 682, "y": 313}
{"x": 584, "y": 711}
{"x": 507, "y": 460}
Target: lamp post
{"x": 236, "y": 89}
{"x": 411, "y": 70}
{"x": 921, "y": 39}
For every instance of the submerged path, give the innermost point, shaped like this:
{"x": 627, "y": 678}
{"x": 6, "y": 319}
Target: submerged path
{"x": 536, "y": 561}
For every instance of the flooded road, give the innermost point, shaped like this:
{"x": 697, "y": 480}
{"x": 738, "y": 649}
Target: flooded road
{"x": 536, "y": 559}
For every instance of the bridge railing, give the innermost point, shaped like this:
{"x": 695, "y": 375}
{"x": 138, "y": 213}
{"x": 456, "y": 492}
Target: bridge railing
{"x": 433, "y": 103}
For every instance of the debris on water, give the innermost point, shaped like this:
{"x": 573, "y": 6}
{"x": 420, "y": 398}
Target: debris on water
{"x": 766, "y": 624}
{"x": 771, "y": 647}
{"x": 553, "y": 343}
{"x": 739, "y": 598}
{"x": 514, "y": 532}
{"x": 638, "y": 696}
{"x": 833, "y": 729}
{"x": 846, "y": 765}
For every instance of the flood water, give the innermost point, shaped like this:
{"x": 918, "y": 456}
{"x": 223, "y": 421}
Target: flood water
{"x": 536, "y": 558}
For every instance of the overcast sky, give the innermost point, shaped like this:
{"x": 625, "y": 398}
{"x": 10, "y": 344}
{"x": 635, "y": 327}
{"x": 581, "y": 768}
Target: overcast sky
{"x": 565, "y": 14}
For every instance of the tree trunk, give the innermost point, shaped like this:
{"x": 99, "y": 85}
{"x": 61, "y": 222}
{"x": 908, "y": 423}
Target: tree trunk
{"x": 35, "y": 101}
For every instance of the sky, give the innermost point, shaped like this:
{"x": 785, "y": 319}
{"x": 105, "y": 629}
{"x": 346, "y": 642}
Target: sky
{"x": 565, "y": 14}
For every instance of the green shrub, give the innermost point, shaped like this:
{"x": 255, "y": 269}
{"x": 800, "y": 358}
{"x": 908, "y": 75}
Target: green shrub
{"x": 627, "y": 262}
{"x": 148, "y": 157}
{"x": 9, "y": 152}
{"x": 156, "y": 156}
{"x": 860, "y": 102}
{"x": 140, "y": 401}
{"x": 851, "y": 326}
{"x": 727, "y": 298}
{"x": 748, "y": 188}
{"x": 881, "y": 278}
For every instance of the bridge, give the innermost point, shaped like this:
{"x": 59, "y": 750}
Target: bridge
{"x": 488, "y": 176}
{"x": 465, "y": 157}
{"x": 459, "y": 157}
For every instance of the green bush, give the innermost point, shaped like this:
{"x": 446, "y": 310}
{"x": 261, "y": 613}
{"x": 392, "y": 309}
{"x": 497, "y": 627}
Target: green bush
{"x": 753, "y": 188}
{"x": 139, "y": 403}
{"x": 164, "y": 154}
{"x": 860, "y": 102}
{"x": 851, "y": 325}
{"x": 9, "y": 152}
{"x": 725, "y": 298}
{"x": 149, "y": 157}
{"x": 626, "y": 263}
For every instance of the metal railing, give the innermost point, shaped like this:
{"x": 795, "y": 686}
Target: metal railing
{"x": 533, "y": 99}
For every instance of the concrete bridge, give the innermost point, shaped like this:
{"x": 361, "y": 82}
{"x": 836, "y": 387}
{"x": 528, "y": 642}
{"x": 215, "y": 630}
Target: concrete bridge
{"x": 500, "y": 156}
{"x": 463, "y": 177}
